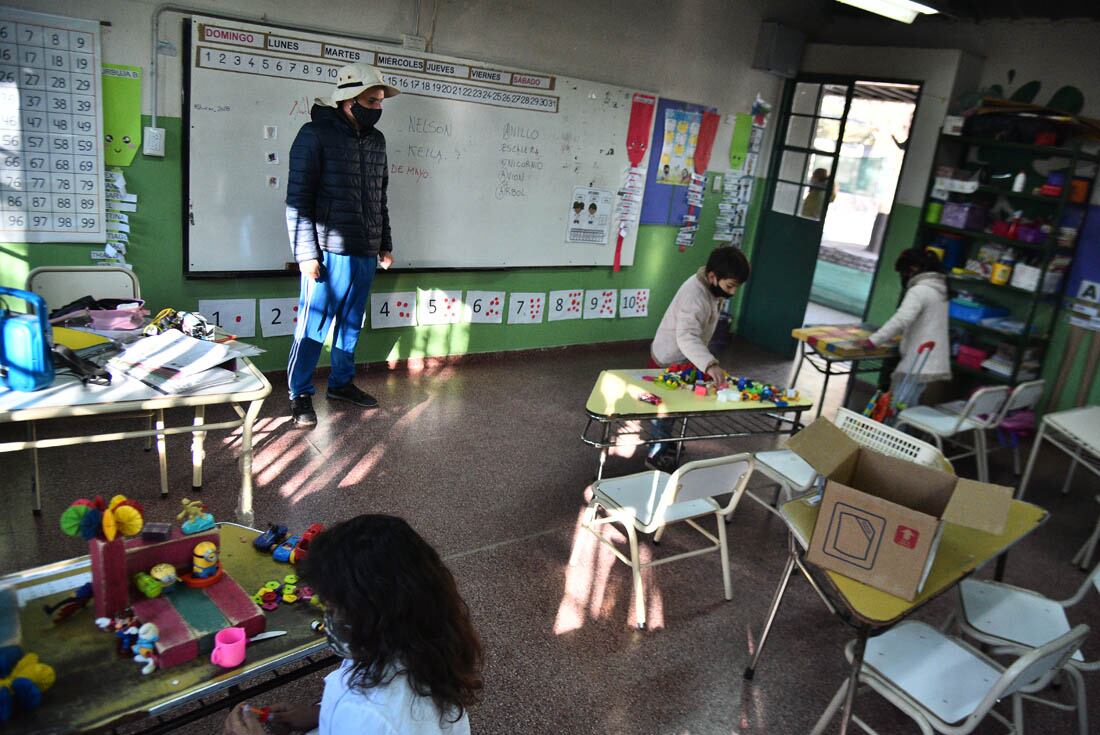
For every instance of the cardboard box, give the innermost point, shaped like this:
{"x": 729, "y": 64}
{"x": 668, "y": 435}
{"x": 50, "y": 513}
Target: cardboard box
{"x": 881, "y": 518}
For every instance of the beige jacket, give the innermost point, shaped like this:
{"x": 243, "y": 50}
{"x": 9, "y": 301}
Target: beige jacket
{"x": 922, "y": 317}
{"x": 688, "y": 324}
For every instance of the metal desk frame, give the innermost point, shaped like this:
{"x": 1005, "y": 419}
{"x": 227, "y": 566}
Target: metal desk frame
{"x": 67, "y": 398}
{"x": 823, "y": 363}
{"x": 635, "y": 429}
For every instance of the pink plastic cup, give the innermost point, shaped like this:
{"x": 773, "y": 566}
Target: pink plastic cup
{"x": 229, "y": 646}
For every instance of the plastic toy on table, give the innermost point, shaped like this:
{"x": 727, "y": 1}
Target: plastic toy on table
{"x": 145, "y": 650}
{"x": 193, "y": 518}
{"x": 23, "y": 680}
{"x": 283, "y": 551}
{"x": 650, "y": 398}
{"x": 71, "y": 604}
{"x": 96, "y": 518}
{"x": 301, "y": 549}
{"x": 269, "y": 539}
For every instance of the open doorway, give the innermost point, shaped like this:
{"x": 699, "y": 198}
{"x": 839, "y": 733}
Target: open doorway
{"x": 875, "y": 139}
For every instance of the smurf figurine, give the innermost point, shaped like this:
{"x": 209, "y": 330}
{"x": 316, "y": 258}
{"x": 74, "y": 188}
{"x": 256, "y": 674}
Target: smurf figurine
{"x": 205, "y": 560}
{"x": 193, "y": 519}
{"x": 145, "y": 650}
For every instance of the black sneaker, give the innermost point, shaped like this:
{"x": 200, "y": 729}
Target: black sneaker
{"x": 301, "y": 411}
{"x": 663, "y": 462}
{"x": 352, "y": 394}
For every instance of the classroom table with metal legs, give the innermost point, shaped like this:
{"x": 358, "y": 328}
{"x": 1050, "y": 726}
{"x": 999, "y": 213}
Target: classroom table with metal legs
{"x": 871, "y": 611}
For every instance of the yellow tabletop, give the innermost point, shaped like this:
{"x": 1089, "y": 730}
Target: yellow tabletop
{"x": 961, "y": 551}
{"x": 843, "y": 341}
{"x": 617, "y": 392}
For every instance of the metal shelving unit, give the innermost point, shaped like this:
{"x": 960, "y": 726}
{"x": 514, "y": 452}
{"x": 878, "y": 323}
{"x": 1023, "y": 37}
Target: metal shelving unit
{"x": 971, "y": 153}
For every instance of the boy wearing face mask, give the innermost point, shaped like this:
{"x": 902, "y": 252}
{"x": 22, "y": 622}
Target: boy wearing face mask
{"x": 339, "y": 227}
{"x": 688, "y": 325}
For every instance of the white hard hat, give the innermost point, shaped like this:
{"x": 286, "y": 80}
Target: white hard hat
{"x": 354, "y": 79}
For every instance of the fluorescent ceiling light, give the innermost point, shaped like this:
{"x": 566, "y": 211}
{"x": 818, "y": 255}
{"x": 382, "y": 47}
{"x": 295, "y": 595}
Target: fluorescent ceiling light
{"x": 900, "y": 10}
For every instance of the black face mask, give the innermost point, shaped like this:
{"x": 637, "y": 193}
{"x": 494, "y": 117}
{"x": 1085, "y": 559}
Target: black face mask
{"x": 366, "y": 117}
{"x": 717, "y": 291}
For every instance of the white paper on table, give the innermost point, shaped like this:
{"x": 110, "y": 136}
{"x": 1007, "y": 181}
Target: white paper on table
{"x": 435, "y": 306}
{"x": 599, "y": 304}
{"x": 484, "y": 307}
{"x": 397, "y": 309}
{"x": 174, "y": 350}
{"x": 633, "y": 302}
{"x": 525, "y": 307}
{"x": 565, "y": 305}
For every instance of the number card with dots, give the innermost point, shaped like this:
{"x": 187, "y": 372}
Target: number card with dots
{"x": 51, "y": 129}
{"x": 565, "y": 305}
{"x": 234, "y": 316}
{"x": 278, "y": 317}
{"x": 485, "y": 307}
{"x": 599, "y": 304}
{"x": 439, "y": 307}
{"x": 525, "y": 308}
{"x": 633, "y": 302}
{"x": 393, "y": 310}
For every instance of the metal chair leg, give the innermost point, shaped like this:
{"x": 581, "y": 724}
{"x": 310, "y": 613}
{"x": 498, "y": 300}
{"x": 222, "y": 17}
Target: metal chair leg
{"x": 777, "y": 599}
{"x": 635, "y": 566}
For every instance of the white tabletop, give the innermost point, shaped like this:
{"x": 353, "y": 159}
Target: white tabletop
{"x": 1080, "y": 424}
{"x": 69, "y": 397}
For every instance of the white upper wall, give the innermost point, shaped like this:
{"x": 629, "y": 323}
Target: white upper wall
{"x": 694, "y": 50}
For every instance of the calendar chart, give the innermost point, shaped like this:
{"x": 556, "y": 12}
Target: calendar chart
{"x": 51, "y": 129}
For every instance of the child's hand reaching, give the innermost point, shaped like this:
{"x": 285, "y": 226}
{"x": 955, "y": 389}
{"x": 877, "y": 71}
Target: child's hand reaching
{"x": 718, "y": 375}
{"x": 280, "y": 719}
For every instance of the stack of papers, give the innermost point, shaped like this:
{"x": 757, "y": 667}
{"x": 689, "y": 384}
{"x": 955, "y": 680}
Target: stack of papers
{"x": 172, "y": 362}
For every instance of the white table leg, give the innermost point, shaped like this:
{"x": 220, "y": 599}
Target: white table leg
{"x": 1072, "y": 470}
{"x": 162, "y": 453}
{"x": 244, "y": 509}
{"x": 198, "y": 453}
{"x": 36, "y": 477}
{"x": 1031, "y": 461}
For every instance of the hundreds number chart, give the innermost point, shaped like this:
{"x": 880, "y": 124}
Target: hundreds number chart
{"x": 51, "y": 123}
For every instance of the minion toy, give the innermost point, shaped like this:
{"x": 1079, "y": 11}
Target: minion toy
{"x": 205, "y": 568}
{"x": 205, "y": 560}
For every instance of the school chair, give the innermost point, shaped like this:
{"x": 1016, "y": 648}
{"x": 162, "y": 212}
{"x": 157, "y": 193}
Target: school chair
{"x": 979, "y": 413}
{"x": 1023, "y": 397}
{"x": 647, "y": 502}
{"x": 61, "y": 285}
{"x": 794, "y": 476}
{"x": 1016, "y": 620}
{"x": 946, "y": 685}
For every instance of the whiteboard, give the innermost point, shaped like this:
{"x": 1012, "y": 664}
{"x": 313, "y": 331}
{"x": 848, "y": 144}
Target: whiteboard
{"x": 486, "y": 163}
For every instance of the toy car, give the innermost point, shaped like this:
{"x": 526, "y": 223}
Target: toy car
{"x": 284, "y": 550}
{"x": 269, "y": 539}
{"x": 301, "y": 549}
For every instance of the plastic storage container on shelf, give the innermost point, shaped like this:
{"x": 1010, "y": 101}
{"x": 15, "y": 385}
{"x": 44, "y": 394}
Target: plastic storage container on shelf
{"x": 963, "y": 216}
{"x": 971, "y": 357}
{"x": 974, "y": 313}
{"x": 1027, "y": 278}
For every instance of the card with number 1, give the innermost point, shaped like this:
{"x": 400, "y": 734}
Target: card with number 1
{"x": 396, "y": 309}
{"x": 526, "y": 308}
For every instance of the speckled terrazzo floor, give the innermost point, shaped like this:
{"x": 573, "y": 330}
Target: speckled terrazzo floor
{"x": 484, "y": 459}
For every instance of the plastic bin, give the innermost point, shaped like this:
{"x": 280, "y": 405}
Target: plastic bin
{"x": 974, "y": 314}
{"x": 964, "y": 216}
{"x": 971, "y": 357}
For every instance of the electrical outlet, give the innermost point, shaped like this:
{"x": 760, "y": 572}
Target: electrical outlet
{"x": 152, "y": 142}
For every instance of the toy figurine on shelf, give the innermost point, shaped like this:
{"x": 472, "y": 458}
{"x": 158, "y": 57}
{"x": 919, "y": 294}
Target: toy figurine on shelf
{"x": 193, "y": 518}
{"x": 145, "y": 650}
{"x": 78, "y": 600}
{"x": 124, "y": 627}
{"x": 23, "y": 680}
{"x": 96, "y": 518}
{"x": 166, "y": 576}
{"x": 205, "y": 567}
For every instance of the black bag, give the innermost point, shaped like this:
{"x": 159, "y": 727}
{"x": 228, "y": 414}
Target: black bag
{"x": 86, "y": 370}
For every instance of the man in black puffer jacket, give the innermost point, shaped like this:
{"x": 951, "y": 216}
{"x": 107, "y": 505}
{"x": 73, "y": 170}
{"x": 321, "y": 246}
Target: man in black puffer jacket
{"x": 339, "y": 227}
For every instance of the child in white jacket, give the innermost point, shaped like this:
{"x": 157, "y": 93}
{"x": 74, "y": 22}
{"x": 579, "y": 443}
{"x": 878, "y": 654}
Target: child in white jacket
{"x": 687, "y": 327}
{"x": 921, "y": 317}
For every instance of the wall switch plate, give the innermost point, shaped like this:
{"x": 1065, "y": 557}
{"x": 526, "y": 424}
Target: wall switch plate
{"x": 152, "y": 142}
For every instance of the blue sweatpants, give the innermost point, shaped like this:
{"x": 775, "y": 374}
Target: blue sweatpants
{"x": 338, "y": 299}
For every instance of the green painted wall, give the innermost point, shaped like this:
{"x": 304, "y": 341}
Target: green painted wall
{"x": 157, "y": 256}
